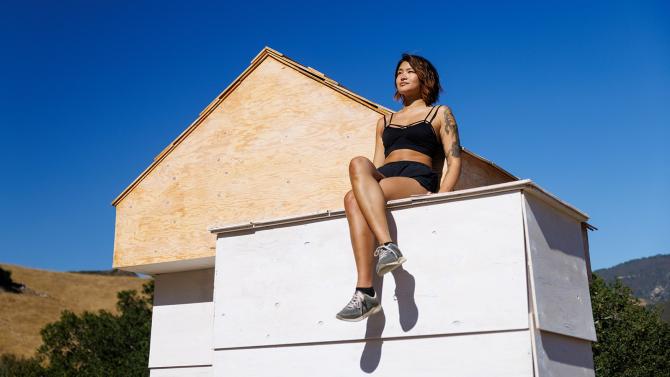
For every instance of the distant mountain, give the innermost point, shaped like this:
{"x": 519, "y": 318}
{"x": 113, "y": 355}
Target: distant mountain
{"x": 649, "y": 278}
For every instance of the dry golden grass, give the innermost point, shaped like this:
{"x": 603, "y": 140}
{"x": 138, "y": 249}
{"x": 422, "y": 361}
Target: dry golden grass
{"x": 22, "y": 316}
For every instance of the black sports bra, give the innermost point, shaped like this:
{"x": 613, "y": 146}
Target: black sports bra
{"x": 418, "y": 136}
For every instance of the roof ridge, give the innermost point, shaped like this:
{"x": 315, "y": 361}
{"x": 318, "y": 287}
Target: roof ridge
{"x": 255, "y": 62}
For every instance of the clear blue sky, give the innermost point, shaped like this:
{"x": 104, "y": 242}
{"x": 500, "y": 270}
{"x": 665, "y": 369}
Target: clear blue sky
{"x": 573, "y": 95}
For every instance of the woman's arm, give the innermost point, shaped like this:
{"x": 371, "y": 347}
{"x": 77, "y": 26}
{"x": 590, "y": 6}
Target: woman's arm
{"x": 379, "y": 157}
{"x": 452, "y": 150}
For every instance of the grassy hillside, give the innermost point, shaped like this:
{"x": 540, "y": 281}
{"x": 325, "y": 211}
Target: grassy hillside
{"x": 46, "y": 294}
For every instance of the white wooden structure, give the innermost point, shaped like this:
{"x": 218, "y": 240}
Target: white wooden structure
{"x": 496, "y": 284}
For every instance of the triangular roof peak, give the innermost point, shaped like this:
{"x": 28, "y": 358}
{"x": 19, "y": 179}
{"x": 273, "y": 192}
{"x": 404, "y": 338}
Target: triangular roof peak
{"x": 306, "y": 70}
{"x": 255, "y": 62}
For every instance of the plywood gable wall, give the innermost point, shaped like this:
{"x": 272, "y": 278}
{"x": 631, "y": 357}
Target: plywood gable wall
{"x": 278, "y": 145}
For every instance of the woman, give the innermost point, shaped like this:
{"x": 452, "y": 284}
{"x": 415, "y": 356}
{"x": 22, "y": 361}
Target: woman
{"x": 404, "y": 149}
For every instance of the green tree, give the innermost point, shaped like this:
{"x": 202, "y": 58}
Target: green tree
{"x": 93, "y": 344}
{"x": 664, "y": 307}
{"x": 12, "y": 366}
{"x": 7, "y": 284}
{"x": 101, "y": 344}
{"x": 633, "y": 341}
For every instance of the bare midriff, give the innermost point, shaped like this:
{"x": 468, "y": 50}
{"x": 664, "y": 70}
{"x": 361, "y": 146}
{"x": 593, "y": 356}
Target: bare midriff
{"x": 408, "y": 155}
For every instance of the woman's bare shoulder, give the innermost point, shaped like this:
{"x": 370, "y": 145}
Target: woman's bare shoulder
{"x": 445, "y": 115}
{"x": 381, "y": 123}
{"x": 443, "y": 109}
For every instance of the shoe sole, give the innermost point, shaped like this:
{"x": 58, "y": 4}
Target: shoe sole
{"x": 372, "y": 311}
{"x": 391, "y": 266}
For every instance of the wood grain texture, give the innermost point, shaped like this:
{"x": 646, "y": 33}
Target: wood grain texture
{"x": 476, "y": 172}
{"x": 280, "y": 134}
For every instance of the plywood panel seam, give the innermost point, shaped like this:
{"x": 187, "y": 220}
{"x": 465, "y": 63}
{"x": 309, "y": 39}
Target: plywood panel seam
{"x": 183, "y": 366}
{"x": 415, "y": 201}
{"x": 391, "y": 338}
{"x": 529, "y": 280}
{"x": 528, "y": 255}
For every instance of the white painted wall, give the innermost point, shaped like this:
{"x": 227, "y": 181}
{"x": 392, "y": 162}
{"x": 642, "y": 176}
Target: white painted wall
{"x": 465, "y": 273}
{"x": 459, "y": 306}
{"x": 563, "y": 356}
{"x": 559, "y": 271}
{"x": 480, "y": 355}
{"x": 182, "y": 323}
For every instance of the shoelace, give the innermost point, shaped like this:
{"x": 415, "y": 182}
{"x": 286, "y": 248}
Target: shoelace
{"x": 384, "y": 251}
{"x": 356, "y": 301}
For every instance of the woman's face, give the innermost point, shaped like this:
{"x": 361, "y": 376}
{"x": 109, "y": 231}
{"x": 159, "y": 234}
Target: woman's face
{"x": 406, "y": 80}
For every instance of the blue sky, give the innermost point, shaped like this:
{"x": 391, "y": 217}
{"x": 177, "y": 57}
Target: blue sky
{"x": 572, "y": 95}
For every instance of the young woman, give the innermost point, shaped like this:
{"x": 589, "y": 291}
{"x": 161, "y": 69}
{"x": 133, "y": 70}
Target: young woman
{"x": 404, "y": 150}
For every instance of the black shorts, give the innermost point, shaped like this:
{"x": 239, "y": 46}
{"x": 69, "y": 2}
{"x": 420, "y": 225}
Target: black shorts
{"x": 420, "y": 172}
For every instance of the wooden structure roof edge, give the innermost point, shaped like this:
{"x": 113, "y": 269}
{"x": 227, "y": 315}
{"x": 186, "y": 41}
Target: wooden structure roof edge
{"x": 525, "y": 185}
{"x": 255, "y": 62}
{"x": 491, "y": 163}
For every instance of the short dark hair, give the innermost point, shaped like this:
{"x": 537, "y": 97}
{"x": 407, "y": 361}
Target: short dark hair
{"x": 430, "y": 80}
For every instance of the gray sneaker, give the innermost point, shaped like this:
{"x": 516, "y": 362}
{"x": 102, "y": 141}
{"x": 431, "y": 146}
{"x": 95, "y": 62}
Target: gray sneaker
{"x": 360, "y": 307}
{"x": 390, "y": 258}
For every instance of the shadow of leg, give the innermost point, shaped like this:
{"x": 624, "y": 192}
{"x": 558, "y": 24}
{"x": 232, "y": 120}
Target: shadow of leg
{"x": 371, "y": 356}
{"x": 405, "y": 285}
{"x": 372, "y": 352}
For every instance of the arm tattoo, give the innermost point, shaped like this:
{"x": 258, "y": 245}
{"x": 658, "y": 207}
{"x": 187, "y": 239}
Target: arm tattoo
{"x": 452, "y": 127}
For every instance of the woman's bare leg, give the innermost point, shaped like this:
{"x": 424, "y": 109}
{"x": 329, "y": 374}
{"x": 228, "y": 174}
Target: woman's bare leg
{"x": 372, "y": 191}
{"x": 362, "y": 237}
{"x": 369, "y": 196}
{"x": 362, "y": 240}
